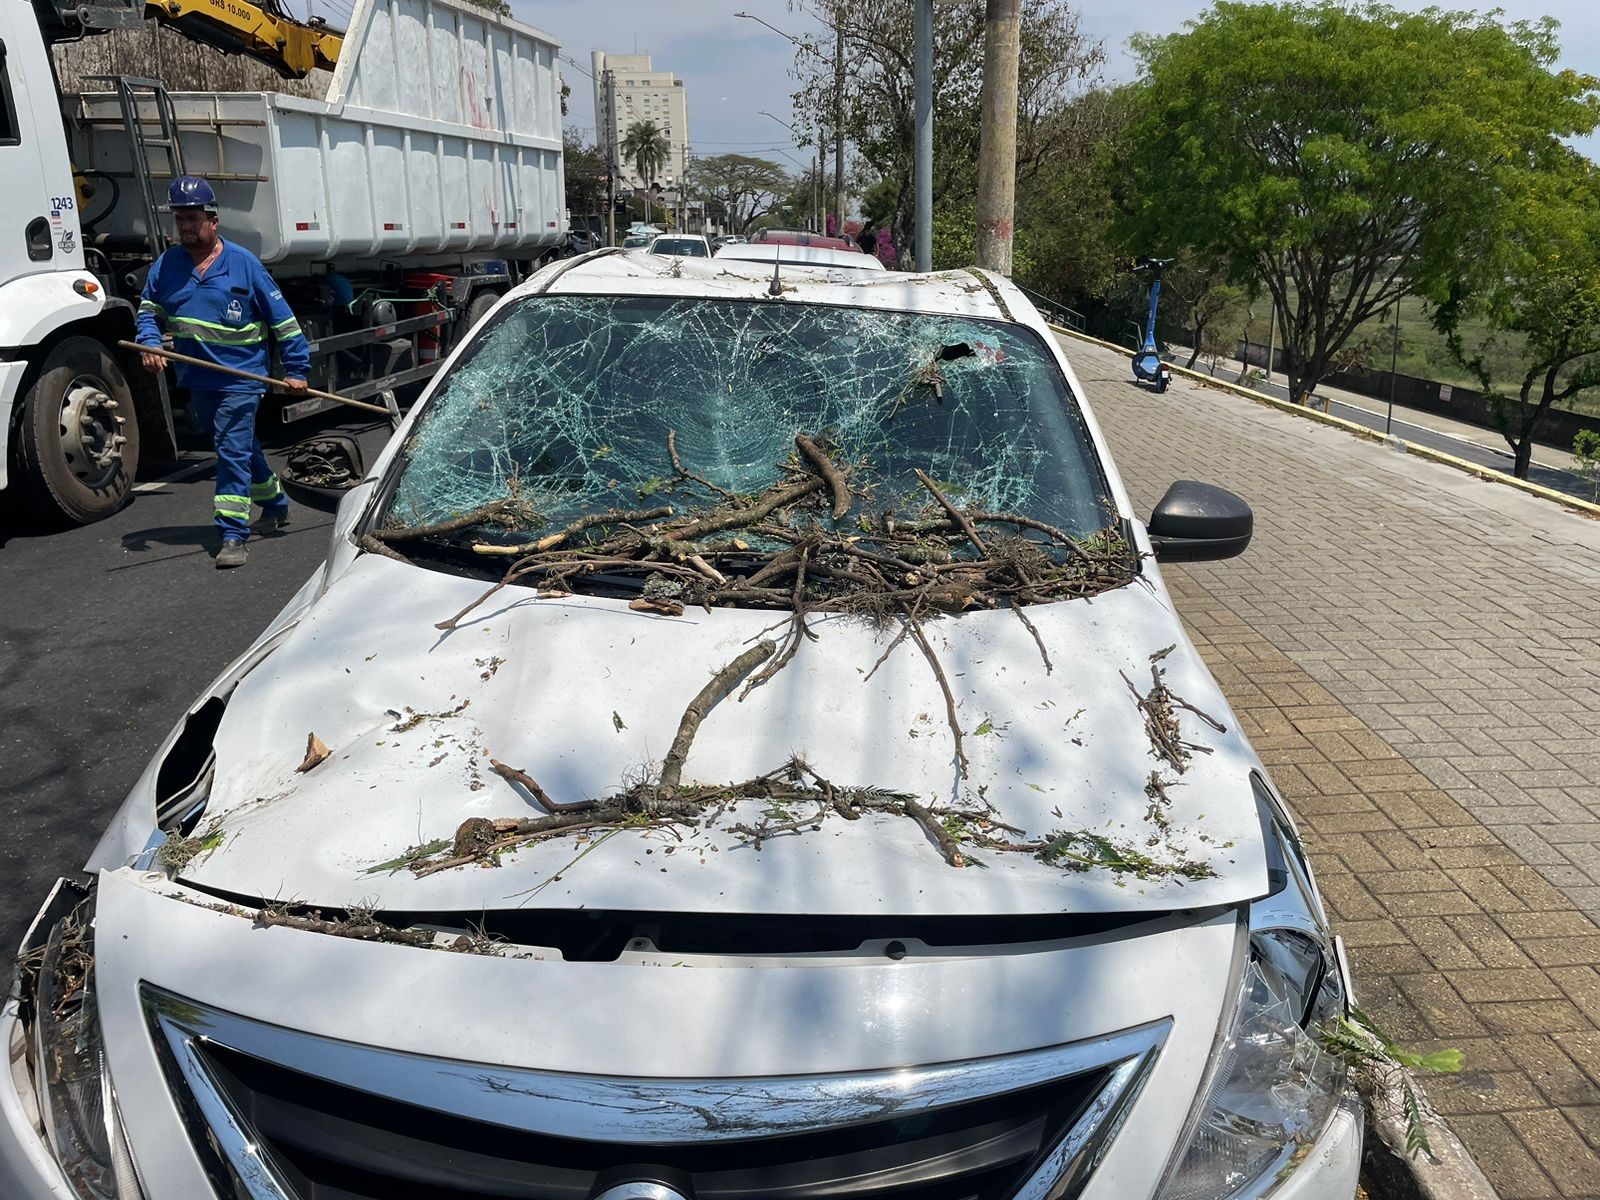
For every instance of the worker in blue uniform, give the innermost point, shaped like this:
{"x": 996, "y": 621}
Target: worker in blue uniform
{"x": 220, "y": 305}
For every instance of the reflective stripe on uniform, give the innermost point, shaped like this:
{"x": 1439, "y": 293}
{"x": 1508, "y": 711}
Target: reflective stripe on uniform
{"x": 261, "y": 493}
{"x": 287, "y": 328}
{"x": 218, "y": 335}
{"x": 232, "y": 506}
{"x": 150, "y": 306}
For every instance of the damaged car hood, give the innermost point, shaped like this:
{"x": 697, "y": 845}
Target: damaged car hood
{"x": 585, "y": 697}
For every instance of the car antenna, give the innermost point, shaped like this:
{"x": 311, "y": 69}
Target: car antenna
{"x": 775, "y": 288}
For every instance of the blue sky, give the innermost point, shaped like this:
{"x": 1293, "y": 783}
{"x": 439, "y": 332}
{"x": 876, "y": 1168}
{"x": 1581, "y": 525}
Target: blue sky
{"x": 733, "y": 69}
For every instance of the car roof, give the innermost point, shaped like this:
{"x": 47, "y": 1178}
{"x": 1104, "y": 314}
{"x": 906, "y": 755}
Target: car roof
{"x": 965, "y": 293}
{"x": 788, "y": 255}
{"x": 803, "y": 237}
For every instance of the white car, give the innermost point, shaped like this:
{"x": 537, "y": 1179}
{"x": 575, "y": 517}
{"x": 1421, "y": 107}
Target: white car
{"x": 800, "y": 256}
{"x": 681, "y": 245}
{"x": 739, "y": 745}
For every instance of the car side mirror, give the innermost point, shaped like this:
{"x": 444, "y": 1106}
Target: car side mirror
{"x": 1196, "y": 522}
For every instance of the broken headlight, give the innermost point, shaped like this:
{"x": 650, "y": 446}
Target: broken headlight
{"x": 1273, "y": 1087}
{"x": 74, "y": 1090}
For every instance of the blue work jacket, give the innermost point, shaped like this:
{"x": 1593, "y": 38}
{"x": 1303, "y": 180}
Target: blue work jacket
{"x": 225, "y": 317}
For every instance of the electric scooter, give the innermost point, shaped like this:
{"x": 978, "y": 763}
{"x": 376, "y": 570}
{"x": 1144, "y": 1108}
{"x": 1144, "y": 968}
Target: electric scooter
{"x": 1147, "y": 364}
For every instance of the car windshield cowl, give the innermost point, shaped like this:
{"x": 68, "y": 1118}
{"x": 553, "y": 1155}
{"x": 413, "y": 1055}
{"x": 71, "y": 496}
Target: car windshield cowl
{"x": 709, "y": 452}
{"x": 797, "y": 545}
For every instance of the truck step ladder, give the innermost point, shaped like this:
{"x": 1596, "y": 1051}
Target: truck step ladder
{"x": 131, "y": 92}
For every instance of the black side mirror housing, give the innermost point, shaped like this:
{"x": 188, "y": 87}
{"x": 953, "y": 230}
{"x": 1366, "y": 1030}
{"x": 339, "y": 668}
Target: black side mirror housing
{"x": 1197, "y": 522}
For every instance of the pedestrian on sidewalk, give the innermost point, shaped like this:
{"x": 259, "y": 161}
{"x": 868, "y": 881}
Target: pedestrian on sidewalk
{"x": 219, "y": 304}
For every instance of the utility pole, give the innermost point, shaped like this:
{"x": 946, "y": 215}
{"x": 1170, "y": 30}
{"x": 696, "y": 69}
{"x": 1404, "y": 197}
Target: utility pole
{"x": 997, "y": 146}
{"x": 838, "y": 122}
{"x": 609, "y": 83}
{"x": 922, "y": 177}
{"x": 816, "y": 190}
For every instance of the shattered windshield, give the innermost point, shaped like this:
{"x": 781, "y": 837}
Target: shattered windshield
{"x": 673, "y": 430}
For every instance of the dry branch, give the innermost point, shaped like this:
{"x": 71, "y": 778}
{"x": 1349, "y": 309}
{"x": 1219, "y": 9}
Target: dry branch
{"x": 715, "y": 690}
{"x": 513, "y": 775}
{"x": 818, "y": 458}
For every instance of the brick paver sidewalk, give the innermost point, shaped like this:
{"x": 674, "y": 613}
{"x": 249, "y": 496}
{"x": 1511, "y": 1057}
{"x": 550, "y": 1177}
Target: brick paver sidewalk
{"x": 1416, "y": 656}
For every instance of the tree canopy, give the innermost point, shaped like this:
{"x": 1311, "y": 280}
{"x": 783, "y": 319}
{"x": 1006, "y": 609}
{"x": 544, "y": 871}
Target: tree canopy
{"x": 647, "y": 148}
{"x": 1539, "y": 285}
{"x": 584, "y": 168}
{"x": 739, "y": 188}
{"x": 1342, "y": 156}
{"x": 1056, "y": 59}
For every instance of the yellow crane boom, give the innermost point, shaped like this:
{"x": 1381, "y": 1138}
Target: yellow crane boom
{"x": 262, "y": 31}
{"x": 274, "y": 38}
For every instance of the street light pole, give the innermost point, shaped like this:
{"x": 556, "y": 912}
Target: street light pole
{"x": 816, "y": 181}
{"x": 922, "y": 186}
{"x": 838, "y": 127}
{"x": 610, "y": 85}
{"x": 838, "y": 113}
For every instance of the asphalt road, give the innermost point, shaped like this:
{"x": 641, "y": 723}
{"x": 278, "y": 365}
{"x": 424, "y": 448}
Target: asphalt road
{"x": 1481, "y": 453}
{"x": 107, "y": 634}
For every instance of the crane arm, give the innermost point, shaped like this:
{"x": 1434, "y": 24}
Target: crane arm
{"x": 262, "y": 31}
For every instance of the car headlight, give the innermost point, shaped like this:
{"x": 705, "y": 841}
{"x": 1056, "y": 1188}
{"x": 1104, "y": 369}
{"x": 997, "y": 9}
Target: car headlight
{"x": 1273, "y": 1087}
{"x": 70, "y": 1078}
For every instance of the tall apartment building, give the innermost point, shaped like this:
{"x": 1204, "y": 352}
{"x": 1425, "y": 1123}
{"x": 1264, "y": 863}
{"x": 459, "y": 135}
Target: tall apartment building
{"x": 642, "y": 94}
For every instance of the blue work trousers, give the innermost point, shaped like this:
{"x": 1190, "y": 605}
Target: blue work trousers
{"x": 243, "y": 475}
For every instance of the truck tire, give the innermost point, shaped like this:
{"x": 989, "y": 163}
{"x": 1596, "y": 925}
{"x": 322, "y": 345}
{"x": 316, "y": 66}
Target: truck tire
{"x": 78, "y": 444}
{"x": 477, "y": 310}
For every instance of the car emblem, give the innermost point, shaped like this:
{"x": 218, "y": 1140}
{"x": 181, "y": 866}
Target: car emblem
{"x": 640, "y": 1190}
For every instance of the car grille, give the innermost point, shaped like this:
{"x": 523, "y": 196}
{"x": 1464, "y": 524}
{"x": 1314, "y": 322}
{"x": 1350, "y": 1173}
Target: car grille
{"x": 268, "y": 1129}
{"x": 335, "y": 1143}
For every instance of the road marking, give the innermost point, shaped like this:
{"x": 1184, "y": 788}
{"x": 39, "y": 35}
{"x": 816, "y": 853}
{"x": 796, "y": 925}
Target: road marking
{"x": 156, "y": 485}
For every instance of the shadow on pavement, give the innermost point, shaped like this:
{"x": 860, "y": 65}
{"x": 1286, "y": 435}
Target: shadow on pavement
{"x": 170, "y": 535}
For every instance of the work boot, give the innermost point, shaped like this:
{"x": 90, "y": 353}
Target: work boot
{"x": 270, "y": 522}
{"x": 232, "y": 554}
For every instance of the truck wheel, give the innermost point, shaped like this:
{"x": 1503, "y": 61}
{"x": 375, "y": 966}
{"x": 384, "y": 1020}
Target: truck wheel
{"x": 477, "y": 311}
{"x": 78, "y": 447}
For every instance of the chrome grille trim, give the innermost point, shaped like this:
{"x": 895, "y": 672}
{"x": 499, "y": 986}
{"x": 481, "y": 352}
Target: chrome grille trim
{"x": 646, "y": 1111}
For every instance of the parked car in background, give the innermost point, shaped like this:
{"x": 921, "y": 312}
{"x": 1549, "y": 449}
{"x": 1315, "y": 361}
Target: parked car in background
{"x": 683, "y": 245}
{"x": 581, "y": 241}
{"x": 728, "y": 239}
{"x": 802, "y": 237}
{"x": 740, "y": 744}
{"x": 637, "y": 241}
{"x": 794, "y": 255}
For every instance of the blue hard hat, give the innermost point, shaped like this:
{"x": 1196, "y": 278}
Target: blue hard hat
{"x": 190, "y": 191}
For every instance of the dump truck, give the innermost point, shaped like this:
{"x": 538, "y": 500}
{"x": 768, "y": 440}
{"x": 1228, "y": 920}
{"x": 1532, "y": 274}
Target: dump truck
{"x": 393, "y": 211}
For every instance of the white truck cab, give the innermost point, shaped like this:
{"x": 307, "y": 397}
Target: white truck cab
{"x": 394, "y": 211}
{"x": 66, "y": 400}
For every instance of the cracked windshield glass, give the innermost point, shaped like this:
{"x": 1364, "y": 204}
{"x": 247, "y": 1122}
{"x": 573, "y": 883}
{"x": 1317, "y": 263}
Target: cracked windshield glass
{"x": 710, "y": 448}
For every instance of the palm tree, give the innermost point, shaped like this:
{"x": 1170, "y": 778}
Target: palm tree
{"x": 648, "y": 147}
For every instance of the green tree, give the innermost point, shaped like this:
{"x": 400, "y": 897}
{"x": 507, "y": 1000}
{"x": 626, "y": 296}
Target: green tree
{"x": 738, "y": 188}
{"x": 584, "y": 168}
{"x": 1342, "y": 156}
{"x": 1542, "y": 289}
{"x": 1198, "y": 300}
{"x": 647, "y": 147}
{"x": 1056, "y": 58}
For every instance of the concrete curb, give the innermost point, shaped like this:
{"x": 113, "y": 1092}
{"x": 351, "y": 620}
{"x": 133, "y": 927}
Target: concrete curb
{"x": 1439, "y": 456}
{"x": 1450, "y": 1173}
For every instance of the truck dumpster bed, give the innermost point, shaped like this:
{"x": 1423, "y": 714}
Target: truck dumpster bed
{"x": 439, "y": 139}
